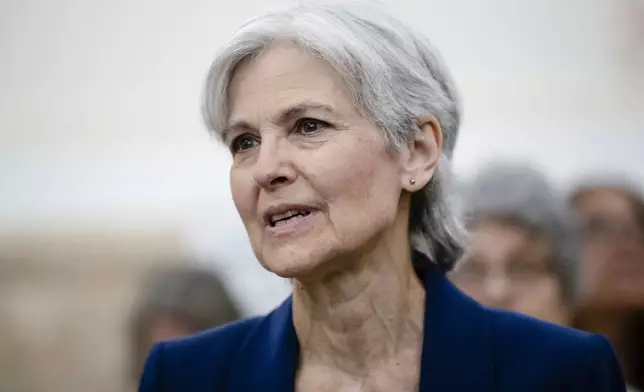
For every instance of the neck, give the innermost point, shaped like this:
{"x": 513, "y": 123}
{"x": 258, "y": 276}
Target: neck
{"x": 608, "y": 322}
{"x": 362, "y": 317}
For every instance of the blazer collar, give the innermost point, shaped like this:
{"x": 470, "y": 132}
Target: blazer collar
{"x": 456, "y": 355}
{"x": 457, "y": 346}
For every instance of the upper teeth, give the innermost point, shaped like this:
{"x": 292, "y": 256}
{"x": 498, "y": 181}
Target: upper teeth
{"x": 285, "y": 215}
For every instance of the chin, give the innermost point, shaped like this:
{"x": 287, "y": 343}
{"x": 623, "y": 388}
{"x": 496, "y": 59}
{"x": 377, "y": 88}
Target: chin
{"x": 295, "y": 261}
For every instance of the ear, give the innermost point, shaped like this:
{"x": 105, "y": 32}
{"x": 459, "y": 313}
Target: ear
{"x": 420, "y": 157}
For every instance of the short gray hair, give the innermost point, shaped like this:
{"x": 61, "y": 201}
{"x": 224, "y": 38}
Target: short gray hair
{"x": 395, "y": 76}
{"x": 521, "y": 195}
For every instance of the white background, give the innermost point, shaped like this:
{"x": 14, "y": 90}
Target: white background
{"x": 99, "y": 108}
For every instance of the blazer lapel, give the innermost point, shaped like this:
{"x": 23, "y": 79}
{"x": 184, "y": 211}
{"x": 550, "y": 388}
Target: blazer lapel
{"x": 456, "y": 354}
{"x": 268, "y": 358}
{"x": 457, "y": 345}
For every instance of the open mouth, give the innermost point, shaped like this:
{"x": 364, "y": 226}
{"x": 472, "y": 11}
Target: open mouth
{"x": 286, "y": 217}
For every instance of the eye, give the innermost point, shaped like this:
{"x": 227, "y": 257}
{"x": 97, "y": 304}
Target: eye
{"x": 525, "y": 270}
{"x": 307, "y": 126}
{"x": 243, "y": 142}
{"x": 598, "y": 227}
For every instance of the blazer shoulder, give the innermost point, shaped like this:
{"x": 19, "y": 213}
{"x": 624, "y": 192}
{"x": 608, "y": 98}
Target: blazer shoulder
{"x": 219, "y": 341}
{"x": 518, "y": 330}
{"x": 196, "y": 362}
{"x": 555, "y": 356}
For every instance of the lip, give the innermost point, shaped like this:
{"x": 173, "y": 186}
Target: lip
{"x": 289, "y": 227}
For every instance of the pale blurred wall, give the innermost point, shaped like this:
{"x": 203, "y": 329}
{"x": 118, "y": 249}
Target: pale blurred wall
{"x": 65, "y": 298}
{"x": 99, "y": 105}
{"x": 99, "y": 109}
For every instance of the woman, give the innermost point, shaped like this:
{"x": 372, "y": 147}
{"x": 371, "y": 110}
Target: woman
{"x": 523, "y": 244}
{"x": 612, "y": 216}
{"x": 173, "y": 302}
{"x": 341, "y": 121}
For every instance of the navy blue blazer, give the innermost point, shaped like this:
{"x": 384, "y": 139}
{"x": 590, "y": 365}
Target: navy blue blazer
{"x": 466, "y": 347}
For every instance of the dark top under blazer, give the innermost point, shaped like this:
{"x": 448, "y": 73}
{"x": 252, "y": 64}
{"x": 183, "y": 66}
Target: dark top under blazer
{"x": 466, "y": 347}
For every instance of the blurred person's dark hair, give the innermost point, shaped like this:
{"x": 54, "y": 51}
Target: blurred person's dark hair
{"x": 518, "y": 194}
{"x": 611, "y": 208}
{"x": 173, "y": 302}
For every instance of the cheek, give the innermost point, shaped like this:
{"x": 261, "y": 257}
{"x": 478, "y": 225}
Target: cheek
{"x": 242, "y": 189}
{"x": 594, "y": 266}
{"x": 356, "y": 172}
{"x": 548, "y": 297}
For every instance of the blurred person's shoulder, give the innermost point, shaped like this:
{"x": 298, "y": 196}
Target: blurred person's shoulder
{"x": 560, "y": 355}
{"x": 209, "y": 360}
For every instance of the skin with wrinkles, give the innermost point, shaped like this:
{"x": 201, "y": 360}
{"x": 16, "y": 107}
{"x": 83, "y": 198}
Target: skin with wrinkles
{"x": 297, "y": 138}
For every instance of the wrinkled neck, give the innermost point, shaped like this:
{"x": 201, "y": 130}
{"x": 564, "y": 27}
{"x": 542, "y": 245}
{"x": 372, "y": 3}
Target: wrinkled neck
{"x": 360, "y": 317}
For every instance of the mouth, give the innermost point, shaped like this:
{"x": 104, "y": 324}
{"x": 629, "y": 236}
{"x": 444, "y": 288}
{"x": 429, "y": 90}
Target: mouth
{"x": 278, "y": 219}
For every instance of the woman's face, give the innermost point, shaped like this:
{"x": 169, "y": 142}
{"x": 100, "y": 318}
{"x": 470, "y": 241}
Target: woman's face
{"x": 613, "y": 251}
{"x": 311, "y": 178}
{"x": 508, "y": 267}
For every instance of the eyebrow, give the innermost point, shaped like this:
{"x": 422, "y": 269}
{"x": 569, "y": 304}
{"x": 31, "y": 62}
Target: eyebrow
{"x": 283, "y": 117}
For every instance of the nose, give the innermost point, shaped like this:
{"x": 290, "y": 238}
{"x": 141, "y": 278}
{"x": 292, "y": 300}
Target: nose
{"x": 274, "y": 167}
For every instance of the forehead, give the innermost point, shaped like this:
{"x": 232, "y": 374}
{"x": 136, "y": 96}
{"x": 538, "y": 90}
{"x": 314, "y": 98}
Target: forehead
{"x": 606, "y": 203}
{"x": 284, "y": 75}
{"x": 497, "y": 242}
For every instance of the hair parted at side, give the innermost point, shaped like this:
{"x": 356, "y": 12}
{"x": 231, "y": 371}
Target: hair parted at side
{"x": 395, "y": 76}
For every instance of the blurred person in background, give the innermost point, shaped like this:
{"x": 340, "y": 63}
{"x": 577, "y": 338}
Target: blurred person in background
{"x": 176, "y": 301}
{"x": 526, "y": 249}
{"x": 612, "y": 217}
{"x": 523, "y": 246}
{"x": 341, "y": 120}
